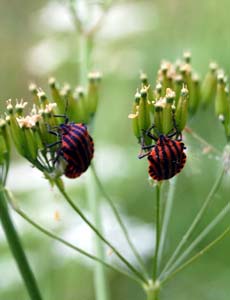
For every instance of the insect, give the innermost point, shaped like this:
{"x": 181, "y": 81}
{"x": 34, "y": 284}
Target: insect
{"x": 76, "y": 147}
{"x": 166, "y": 158}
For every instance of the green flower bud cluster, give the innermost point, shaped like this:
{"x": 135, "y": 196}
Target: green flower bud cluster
{"x": 80, "y": 104}
{"x": 176, "y": 96}
{"x": 31, "y": 130}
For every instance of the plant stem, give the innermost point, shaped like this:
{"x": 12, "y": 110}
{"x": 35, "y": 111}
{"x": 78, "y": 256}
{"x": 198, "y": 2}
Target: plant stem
{"x": 79, "y": 212}
{"x": 100, "y": 282}
{"x": 167, "y": 215}
{"x": 196, "y": 256}
{"x": 200, "y": 237}
{"x": 155, "y": 260}
{"x": 152, "y": 290}
{"x": 119, "y": 220}
{"x": 194, "y": 223}
{"x": 62, "y": 241}
{"x": 86, "y": 46}
{"x": 17, "y": 249}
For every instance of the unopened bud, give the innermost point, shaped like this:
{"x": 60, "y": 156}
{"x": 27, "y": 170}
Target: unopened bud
{"x": 208, "y": 89}
{"x": 194, "y": 95}
{"x": 144, "y": 79}
{"x": 144, "y": 114}
{"x": 181, "y": 113}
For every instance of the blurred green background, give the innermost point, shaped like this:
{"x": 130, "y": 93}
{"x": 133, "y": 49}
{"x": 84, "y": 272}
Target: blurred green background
{"x": 37, "y": 40}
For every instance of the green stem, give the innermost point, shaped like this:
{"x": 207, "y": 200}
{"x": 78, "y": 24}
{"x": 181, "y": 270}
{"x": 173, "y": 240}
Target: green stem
{"x": 155, "y": 260}
{"x": 79, "y": 212}
{"x": 196, "y": 256}
{"x": 152, "y": 290}
{"x": 119, "y": 220}
{"x": 200, "y": 237}
{"x": 100, "y": 282}
{"x": 167, "y": 215}
{"x": 86, "y": 46}
{"x": 62, "y": 241}
{"x": 194, "y": 223}
{"x": 17, "y": 249}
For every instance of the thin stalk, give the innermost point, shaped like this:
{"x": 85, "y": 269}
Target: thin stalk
{"x": 152, "y": 290}
{"x": 194, "y": 223}
{"x": 196, "y": 256}
{"x": 158, "y": 231}
{"x": 17, "y": 249}
{"x": 79, "y": 212}
{"x": 200, "y": 237}
{"x": 119, "y": 220}
{"x": 86, "y": 46}
{"x": 64, "y": 242}
{"x": 100, "y": 282}
{"x": 167, "y": 215}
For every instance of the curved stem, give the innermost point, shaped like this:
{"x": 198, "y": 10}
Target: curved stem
{"x": 17, "y": 249}
{"x": 79, "y": 212}
{"x": 194, "y": 223}
{"x": 100, "y": 280}
{"x": 62, "y": 241}
{"x": 155, "y": 260}
{"x": 167, "y": 215}
{"x": 200, "y": 237}
{"x": 196, "y": 256}
{"x": 119, "y": 220}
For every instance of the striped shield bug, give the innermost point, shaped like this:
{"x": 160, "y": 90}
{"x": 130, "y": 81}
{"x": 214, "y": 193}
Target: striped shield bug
{"x": 75, "y": 146}
{"x": 167, "y": 157}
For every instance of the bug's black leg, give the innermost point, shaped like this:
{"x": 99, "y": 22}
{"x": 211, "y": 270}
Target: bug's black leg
{"x": 53, "y": 144}
{"x": 172, "y": 134}
{"x": 144, "y": 147}
{"x": 63, "y": 116}
{"x": 140, "y": 156}
{"x": 177, "y": 132}
{"x": 149, "y": 134}
{"x": 54, "y": 133}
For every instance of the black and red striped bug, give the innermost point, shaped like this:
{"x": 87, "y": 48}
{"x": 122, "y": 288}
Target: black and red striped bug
{"x": 166, "y": 158}
{"x": 76, "y": 147}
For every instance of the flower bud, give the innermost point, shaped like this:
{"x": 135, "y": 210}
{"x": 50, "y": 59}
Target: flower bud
{"x": 82, "y": 104}
{"x": 158, "y": 116}
{"x": 144, "y": 79}
{"x": 42, "y": 98}
{"x": 226, "y": 158}
{"x": 34, "y": 91}
{"x": 93, "y": 92}
{"x": 209, "y": 84}
{"x": 19, "y": 107}
{"x": 187, "y": 57}
{"x": 56, "y": 96}
{"x": 167, "y": 114}
{"x": 194, "y": 94}
{"x": 158, "y": 91}
{"x": 178, "y": 84}
{"x": 186, "y": 73}
{"x": 144, "y": 114}
{"x": 181, "y": 113}
{"x": 4, "y": 152}
{"x": 134, "y": 117}
{"x": 165, "y": 78}
{"x": 221, "y": 99}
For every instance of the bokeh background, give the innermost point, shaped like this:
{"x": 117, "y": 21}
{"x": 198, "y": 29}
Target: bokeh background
{"x": 38, "y": 40}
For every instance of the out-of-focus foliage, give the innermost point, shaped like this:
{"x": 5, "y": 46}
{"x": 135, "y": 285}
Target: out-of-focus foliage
{"x": 38, "y": 41}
